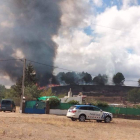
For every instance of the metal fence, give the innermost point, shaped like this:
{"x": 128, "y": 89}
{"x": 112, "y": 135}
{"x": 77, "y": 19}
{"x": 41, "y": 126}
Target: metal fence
{"x": 119, "y": 110}
{"x": 114, "y": 110}
{"x": 39, "y": 107}
{"x": 62, "y": 106}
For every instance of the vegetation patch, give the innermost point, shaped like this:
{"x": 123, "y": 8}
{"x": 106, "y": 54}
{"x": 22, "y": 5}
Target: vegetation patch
{"x": 74, "y": 102}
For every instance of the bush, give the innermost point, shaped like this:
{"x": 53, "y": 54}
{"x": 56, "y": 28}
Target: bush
{"x": 102, "y": 104}
{"x": 94, "y": 103}
{"x": 61, "y": 95}
{"x": 47, "y": 92}
{"x": 53, "y": 101}
{"x": 99, "y": 103}
{"x": 136, "y": 106}
{"x": 74, "y": 102}
{"x": 134, "y": 95}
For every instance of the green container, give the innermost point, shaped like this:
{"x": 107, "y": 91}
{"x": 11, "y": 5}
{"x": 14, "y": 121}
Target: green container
{"x": 44, "y": 98}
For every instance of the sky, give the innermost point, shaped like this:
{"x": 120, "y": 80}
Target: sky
{"x": 101, "y": 37}
{"x": 98, "y": 37}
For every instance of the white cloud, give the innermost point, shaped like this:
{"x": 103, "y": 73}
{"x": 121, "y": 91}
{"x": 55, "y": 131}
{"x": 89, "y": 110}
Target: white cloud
{"x": 127, "y": 3}
{"x": 108, "y": 51}
{"x": 98, "y": 3}
{"x": 5, "y": 80}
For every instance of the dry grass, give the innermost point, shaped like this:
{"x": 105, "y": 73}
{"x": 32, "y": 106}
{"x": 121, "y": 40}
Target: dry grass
{"x": 50, "y": 127}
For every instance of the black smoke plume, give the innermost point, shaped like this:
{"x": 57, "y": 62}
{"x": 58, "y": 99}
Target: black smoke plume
{"x": 27, "y": 27}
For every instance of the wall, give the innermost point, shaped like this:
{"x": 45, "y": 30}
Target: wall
{"x": 94, "y": 90}
{"x": 115, "y": 110}
{"x": 64, "y": 112}
{"x": 65, "y": 100}
{"x": 58, "y": 112}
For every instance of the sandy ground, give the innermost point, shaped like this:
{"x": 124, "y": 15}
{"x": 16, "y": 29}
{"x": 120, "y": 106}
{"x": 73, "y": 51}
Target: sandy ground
{"x": 14, "y": 126}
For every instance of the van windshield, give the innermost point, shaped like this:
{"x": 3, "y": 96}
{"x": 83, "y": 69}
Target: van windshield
{"x": 5, "y": 102}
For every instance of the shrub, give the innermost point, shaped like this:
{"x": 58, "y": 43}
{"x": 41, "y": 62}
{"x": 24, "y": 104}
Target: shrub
{"x": 62, "y": 95}
{"x": 134, "y": 95}
{"x": 99, "y": 103}
{"x": 136, "y": 106}
{"x": 47, "y": 92}
{"x": 102, "y": 104}
{"x": 53, "y": 101}
{"x": 94, "y": 103}
{"x": 74, "y": 102}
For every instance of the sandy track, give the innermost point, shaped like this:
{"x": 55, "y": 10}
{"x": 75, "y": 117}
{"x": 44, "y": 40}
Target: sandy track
{"x": 50, "y": 127}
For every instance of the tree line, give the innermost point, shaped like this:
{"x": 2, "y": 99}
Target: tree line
{"x": 33, "y": 91}
{"x": 86, "y": 78}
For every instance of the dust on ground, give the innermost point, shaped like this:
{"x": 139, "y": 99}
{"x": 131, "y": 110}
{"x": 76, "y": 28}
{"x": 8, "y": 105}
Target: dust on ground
{"x": 15, "y": 126}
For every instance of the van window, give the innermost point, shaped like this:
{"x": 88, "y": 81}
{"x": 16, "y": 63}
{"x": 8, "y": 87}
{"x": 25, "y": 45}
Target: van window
{"x": 5, "y": 102}
{"x": 90, "y": 108}
{"x": 83, "y": 108}
{"x": 96, "y": 109}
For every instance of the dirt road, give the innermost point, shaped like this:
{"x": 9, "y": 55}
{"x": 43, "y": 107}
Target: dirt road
{"x": 14, "y": 126}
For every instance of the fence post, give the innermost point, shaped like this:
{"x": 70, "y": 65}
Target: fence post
{"x": 47, "y": 107}
{"x": 23, "y": 107}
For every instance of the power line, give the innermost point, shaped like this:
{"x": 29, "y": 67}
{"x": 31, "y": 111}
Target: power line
{"x": 51, "y": 66}
{"x": 131, "y": 80}
{"x": 10, "y": 60}
{"x": 115, "y": 29}
{"x": 65, "y": 69}
{"x": 109, "y": 27}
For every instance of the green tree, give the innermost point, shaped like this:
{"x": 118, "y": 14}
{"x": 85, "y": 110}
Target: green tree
{"x": 100, "y": 79}
{"x": 47, "y": 92}
{"x": 32, "y": 92}
{"x": 118, "y": 79}
{"x": 70, "y": 78}
{"x": 84, "y": 78}
{"x": 30, "y": 80}
{"x": 74, "y": 78}
{"x": 87, "y": 78}
{"x": 2, "y": 91}
{"x": 17, "y": 88}
{"x": 10, "y": 94}
{"x": 134, "y": 95}
{"x": 53, "y": 101}
{"x": 30, "y": 75}
{"x": 61, "y": 77}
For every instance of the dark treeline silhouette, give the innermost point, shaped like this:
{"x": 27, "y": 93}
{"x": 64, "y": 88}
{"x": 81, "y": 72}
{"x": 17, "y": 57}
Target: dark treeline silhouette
{"x": 84, "y": 78}
{"x": 74, "y": 78}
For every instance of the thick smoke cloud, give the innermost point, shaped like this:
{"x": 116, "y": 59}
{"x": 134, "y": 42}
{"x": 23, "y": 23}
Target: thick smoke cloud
{"x": 26, "y": 29}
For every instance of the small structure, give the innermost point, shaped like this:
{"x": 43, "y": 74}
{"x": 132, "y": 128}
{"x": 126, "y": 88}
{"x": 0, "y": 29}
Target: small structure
{"x": 68, "y": 98}
{"x": 70, "y": 93}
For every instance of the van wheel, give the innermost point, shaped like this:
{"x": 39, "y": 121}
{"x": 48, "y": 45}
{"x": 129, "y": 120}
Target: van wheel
{"x": 107, "y": 119}
{"x": 73, "y": 119}
{"x": 82, "y": 118}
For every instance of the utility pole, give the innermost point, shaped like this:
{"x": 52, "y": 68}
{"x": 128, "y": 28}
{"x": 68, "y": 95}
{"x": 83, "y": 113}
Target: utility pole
{"x": 23, "y": 81}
